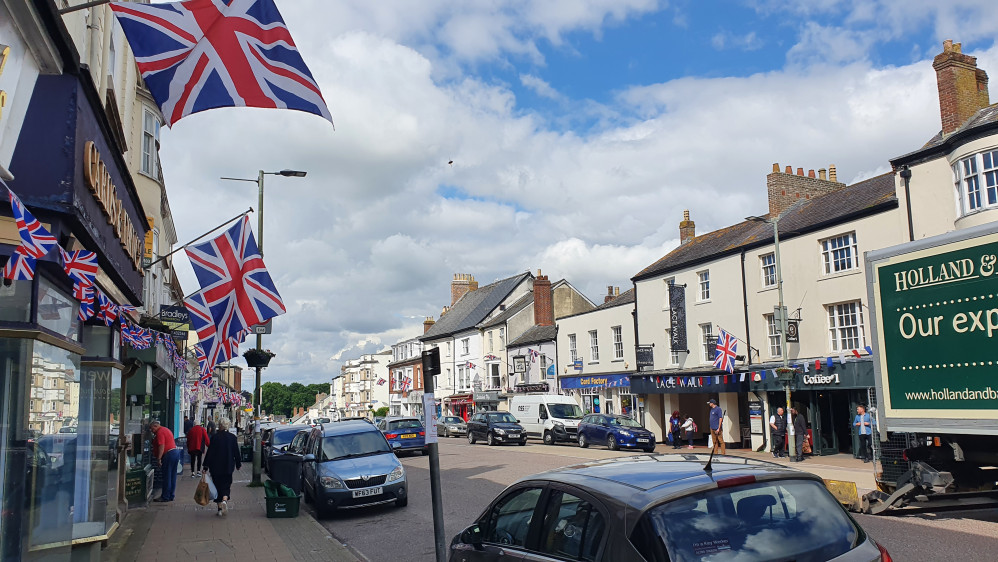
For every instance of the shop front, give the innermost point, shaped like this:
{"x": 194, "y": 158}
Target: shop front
{"x": 606, "y": 394}
{"x": 828, "y": 399}
{"x": 486, "y": 401}
{"x": 413, "y": 403}
{"x": 688, "y": 393}
{"x": 460, "y": 405}
{"x": 61, "y": 379}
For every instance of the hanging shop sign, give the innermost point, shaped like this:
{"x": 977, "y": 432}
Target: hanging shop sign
{"x": 677, "y": 317}
{"x": 534, "y": 387}
{"x": 520, "y": 364}
{"x": 577, "y": 364}
{"x": 595, "y": 381}
{"x": 793, "y": 331}
{"x": 645, "y": 355}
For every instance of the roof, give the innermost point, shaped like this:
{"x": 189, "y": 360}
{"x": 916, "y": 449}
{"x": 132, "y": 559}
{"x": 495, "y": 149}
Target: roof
{"x": 511, "y": 310}
{"x": 867, "y": 197}
{"x": 983, "y": 123}
{"x": 473, "y": 307}
{"x": 535, "y": 334}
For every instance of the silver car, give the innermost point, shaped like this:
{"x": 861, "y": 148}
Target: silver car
{"x": 451, "y": 426}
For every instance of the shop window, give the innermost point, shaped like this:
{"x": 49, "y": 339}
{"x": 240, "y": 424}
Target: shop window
{"x": 57, "y": 311}
{"x": 15, "y": 302}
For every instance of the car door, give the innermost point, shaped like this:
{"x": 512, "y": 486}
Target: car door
{"x": 574, "y": 526}
{"x": 600, "y": 429}
{"x": 312, "y": 448}
{"x": 477, "y": 423}
{"x": 509, "y": 527}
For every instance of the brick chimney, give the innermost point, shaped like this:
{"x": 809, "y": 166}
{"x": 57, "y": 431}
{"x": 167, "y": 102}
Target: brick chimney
{"x": 462, "y": 284}
{"x": 963, "y": 88}
{"x": 609, "y": 294}
{"x": 543, "y": 301}
{"x": 786, "y": 188}
{"x": 687, "y": 228}
{"x": 428, "y": 323}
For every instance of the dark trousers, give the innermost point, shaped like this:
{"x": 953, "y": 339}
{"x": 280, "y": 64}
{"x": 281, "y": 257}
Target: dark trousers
{"x": 677, "y": 442}
{"x": 864, "y": 447}
{"x": 779, "y": 442}
{"x": 223, "y": 483}
{"x": 196, "y": 460}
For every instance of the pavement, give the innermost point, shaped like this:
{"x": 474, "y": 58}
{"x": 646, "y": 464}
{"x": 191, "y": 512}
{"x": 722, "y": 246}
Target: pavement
{"x": 183, "y": 531}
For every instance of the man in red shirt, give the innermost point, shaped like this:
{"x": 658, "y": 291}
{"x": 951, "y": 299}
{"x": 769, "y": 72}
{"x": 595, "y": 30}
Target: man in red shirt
{"x": 167, "y": 455}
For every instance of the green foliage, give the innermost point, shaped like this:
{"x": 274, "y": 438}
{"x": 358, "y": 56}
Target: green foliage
{"x": 280, "y": 399}
{"x": 381, "y": 412}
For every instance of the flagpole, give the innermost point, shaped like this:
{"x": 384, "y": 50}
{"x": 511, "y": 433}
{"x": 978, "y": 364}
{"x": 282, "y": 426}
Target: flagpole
{"x": 223, "y": 225}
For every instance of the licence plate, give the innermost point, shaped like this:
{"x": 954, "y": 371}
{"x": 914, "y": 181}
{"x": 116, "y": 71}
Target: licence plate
{"x": 409, "y": 436}
{"x": 367, "y": 492}
{"x": 640, "y": 440}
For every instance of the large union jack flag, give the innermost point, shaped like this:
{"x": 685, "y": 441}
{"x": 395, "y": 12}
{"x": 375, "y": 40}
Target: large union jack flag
{"x": 724, "y": 357}
{"x": 203, "y": 54}
{"x": 36, "y": 240}
{"x": 235, "y": 284}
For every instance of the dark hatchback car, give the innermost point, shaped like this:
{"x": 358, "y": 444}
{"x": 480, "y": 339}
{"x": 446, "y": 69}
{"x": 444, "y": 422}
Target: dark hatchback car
{"x": 496, "y": 428}
{"x": 276, "y": 439}
{"x": 659, "y": 508}
{"x": 615, "y": 432}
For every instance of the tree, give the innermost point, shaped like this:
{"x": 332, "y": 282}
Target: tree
{"x": 283, "y": 399}
{"x": 381, "y": 412}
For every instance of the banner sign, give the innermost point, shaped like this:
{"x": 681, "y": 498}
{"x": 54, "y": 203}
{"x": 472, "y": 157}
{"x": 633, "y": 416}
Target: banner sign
{"x": 645, "y": 356}
{"x": 677, "y": 317}
{"x": 175, "y": 317}
{"x": 596, "y": 381}
{"x": 688, "y": 384}
{"x": 937, "y": 318}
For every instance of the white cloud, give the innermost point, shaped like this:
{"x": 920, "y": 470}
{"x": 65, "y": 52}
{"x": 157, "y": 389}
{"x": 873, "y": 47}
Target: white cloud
{"x": 540, "y": 87}
{"x": 727, "y": 40}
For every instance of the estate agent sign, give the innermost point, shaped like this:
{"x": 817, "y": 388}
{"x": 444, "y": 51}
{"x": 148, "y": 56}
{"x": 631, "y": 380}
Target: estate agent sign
{"x": 937, "y": 326}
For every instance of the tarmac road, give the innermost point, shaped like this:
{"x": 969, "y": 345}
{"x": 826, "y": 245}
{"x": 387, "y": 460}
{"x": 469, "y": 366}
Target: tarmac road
{"x": 472, "y": 475}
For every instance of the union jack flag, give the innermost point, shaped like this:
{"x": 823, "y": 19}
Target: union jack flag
{"x": 724, "y": 357}
{"x": 20, "y": 266}
{"x": 84, "y": 294}
{"x": 107, "y": 310}
{"x": 136, "y": 336}
{"x": 35, "y": 239}
{"x": 207, "y": 351}
{"x": 406, "y": 383}
{"x": 203, "y": 54}
{"x": 80, "y": 266}
{"x": 235, "y": 284}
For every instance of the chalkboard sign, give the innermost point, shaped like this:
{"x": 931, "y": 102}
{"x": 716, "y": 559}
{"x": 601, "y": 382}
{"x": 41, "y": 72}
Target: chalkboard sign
{"x": 135, "y": 485}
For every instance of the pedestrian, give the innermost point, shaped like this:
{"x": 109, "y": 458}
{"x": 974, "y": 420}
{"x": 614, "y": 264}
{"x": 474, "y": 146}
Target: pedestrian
{"x": 210, "y": 428}
{"x": 197, "y": 442}
{"x": 778, "y": 428}
{"x": 221, "y": 460}
{"x": 188, "y": 424}
{"x": 690, "y": 427}
{"x": 716, "y": 425}
{"x": 675, "y": 428}
{"x": 864, "y": 427}
{"x": 167, "y": 455}
{"x": 800, "y": 431}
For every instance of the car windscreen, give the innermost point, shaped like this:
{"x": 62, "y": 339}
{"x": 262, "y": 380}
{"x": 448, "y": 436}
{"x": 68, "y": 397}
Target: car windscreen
{"x": 565, "y": 411}
{"x": 623, "y": 421}
{"x": 404, "y": 424}
{"x": 353, "y": 445}
{"x": 283, "y": 436}
{"x": 453, "y": 420}
{"x": 781, "y": 520}
{"x": 501, "y": 418}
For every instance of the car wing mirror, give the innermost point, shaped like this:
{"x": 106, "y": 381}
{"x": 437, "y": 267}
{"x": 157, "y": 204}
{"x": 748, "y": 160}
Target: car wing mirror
{"x": 473, "y": 536}
{"x": 544, "y": 416}
{"x": 309, "y": 458}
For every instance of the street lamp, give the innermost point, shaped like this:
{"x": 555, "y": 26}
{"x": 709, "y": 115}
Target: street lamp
{"x": 257, "y": 458}
{"x": 785, "y": 373}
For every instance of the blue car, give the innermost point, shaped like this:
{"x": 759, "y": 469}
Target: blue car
{"x": 615, "y": 432}
{"x": 350, "y": 464}
{"x": 404, "y": 434}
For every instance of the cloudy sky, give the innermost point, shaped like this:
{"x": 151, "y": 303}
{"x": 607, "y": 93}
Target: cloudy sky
{"x": 579, "y": 131}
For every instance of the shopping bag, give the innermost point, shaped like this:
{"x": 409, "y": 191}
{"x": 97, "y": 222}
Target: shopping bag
{"x": 212, "y": 491}
{"x": 807, "y": 446}
{"x": 202, "y": 495}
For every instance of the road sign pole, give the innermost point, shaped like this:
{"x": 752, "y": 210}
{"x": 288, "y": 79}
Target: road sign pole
{"x": 431, "y": 368}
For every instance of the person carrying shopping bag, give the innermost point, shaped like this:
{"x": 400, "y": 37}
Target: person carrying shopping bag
{"x": 221, "y": 460}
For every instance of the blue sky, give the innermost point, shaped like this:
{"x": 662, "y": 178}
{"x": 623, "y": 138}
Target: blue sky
{"x": 579, "y": 130}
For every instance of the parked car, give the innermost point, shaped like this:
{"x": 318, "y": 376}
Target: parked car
{"x": 659, "y": 508}
{"x": 549, "y": 417}
{"x": 404, "y": 434}
{"x": 450, "y": 426}
{"x": 351, "y": 464}
{"x": 496, "y": 428}
{"x": 615, "y": 432}
{"x": 275, "y": 439}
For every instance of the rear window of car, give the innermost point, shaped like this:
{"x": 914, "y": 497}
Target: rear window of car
{"x": 283, "y": 436}
{"x": 781, "y": 520}
{"x": 404, "y": 424}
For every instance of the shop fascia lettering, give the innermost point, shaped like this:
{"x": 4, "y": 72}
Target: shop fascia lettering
{"x": 594, "y": 381}
{"x": 103, "y": 189}
{"x": 679, "y": 382}
{"x": 822, "y": 379}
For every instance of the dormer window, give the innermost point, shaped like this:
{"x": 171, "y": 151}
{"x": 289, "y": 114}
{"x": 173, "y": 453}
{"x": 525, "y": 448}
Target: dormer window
{"x": 976, "y": 181}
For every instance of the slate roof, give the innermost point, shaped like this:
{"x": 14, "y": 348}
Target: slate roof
{"x": 535, "y": 334}
{"x": 511, "y": 310}
{"x": 473, "y": 307}
{"x": 867, "y": 197}
{"x": 981, "y": 124}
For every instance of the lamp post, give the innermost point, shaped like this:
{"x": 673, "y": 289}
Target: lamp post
{"x": 257, "y": 458}
{"x": 786, "y": 374}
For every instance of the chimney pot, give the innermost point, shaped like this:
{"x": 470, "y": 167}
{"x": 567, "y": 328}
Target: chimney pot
{"x": 789, "y": 170}
{"x": 821, "y": 174}
{"x": 776, "y": 168}
{"x": 810, "y": 173}
{"x": 687, "y": 228}
{"x": 800, "y": 171}
{"x": 543, "y": 301}
{"x": 963, "y": 88}
{"x": 832, "y": 174}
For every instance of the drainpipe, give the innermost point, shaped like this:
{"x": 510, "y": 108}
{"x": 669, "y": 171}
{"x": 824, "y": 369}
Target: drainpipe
{"x": 906, "y": 176}
{"x": 748, "y": 342}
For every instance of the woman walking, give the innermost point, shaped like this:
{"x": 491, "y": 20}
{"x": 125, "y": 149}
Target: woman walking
{"x": 690, "y": 427}
{"x": 675, "y": 428}
{"x": 222, "y": 458}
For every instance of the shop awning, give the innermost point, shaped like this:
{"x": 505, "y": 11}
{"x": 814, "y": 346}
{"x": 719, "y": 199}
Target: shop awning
{"x": 458, "y": 399}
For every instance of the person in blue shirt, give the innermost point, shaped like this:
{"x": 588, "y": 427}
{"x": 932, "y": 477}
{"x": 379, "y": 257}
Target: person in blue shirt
{"x": 716, "y": 422}
{"x": 864, "y": 427}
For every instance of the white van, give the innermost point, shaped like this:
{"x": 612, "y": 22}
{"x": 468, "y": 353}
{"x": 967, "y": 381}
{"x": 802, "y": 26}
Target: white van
{"x": 549, "y": 417}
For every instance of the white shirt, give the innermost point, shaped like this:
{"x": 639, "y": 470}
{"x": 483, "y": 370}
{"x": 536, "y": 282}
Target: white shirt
{"x": 688, "y": 424}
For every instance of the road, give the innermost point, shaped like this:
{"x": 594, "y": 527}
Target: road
{"x": 474, "y": 474}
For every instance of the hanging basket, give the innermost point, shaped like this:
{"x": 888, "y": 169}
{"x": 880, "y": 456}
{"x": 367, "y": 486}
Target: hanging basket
{"x": 258, "y": 357}
{"x": 786, "y": 374}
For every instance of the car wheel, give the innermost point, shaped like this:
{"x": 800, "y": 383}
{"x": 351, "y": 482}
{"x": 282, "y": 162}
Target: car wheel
{"x": 402, "y": 502}
{"x": 447, "y": 433}
{"x": 611, "y": 443}
{"x": 650, "y": 450}
{"x": 583, "y": 442}
{"x": 523, "y": 442}
{"x": 490, "y": 439}
{"x": 548, "y": 438}
{"x": 471, "y": 438}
